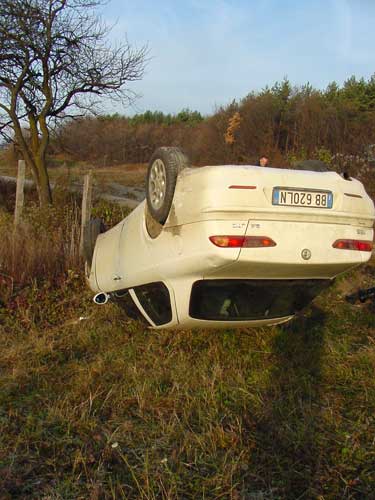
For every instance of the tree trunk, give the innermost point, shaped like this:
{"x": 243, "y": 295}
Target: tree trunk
{"x": 43, "y": 186}
{"x": 33, "y": 151}
{"x": 41, "y": 179}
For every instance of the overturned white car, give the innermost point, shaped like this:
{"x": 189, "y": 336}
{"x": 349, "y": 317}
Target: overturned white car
{"x": 230, "y": 245}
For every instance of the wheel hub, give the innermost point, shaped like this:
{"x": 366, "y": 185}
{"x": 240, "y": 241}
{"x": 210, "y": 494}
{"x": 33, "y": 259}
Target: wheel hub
{"x": 157, "y": 184}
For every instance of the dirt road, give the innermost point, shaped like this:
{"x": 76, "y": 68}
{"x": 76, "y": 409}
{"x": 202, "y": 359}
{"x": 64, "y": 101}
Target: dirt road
{"x": 113, "y": 192}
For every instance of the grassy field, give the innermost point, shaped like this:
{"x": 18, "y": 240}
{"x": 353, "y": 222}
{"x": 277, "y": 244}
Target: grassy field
{"x": 63, "y": 172}
{"x": 95, "y": 406}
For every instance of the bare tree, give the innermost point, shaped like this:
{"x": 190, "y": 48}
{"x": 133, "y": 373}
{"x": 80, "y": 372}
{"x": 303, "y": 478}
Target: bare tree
{"x": 56, "y": 61}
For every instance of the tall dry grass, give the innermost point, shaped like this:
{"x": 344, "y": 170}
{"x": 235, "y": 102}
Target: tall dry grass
{"x": 32, "y": 251}
{"x": 44, "y": 245}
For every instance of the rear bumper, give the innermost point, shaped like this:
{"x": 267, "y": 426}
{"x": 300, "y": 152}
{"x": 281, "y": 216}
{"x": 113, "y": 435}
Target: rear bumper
{"x": 303, "y": 250}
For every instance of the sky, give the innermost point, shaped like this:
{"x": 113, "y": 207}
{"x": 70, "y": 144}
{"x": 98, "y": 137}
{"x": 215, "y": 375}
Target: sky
{"x": 203, "y": 54}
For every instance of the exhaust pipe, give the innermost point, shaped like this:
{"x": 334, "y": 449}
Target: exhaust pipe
{"x": 101, "y": 298}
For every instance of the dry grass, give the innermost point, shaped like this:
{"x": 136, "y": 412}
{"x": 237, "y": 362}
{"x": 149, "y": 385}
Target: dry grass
{"x": 62, "y": 171}
{"x": 42, "y": 247}
{"x": 35, "y": 249}
{"x": 102, "y": 408}
{"x": 95, "y": 406}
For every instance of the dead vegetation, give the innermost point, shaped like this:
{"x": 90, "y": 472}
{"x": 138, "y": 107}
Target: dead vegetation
{"x": 93, "y": 405}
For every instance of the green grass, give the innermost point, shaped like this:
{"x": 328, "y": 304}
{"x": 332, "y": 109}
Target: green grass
{"x": 103, "y": 408}
{"x": 93, "y": 405}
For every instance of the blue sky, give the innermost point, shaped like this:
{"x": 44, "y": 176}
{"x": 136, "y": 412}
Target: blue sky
{"x": 206, "y": 53}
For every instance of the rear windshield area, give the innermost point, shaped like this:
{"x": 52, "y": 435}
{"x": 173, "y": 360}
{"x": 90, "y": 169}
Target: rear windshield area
{"x": 241, "y": 300}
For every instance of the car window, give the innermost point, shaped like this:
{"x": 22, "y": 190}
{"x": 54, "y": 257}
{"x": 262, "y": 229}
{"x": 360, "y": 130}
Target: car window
{"x": 125, "y": 301}
{"x": 155, "y": 300}
{"x": 241, "y": 300}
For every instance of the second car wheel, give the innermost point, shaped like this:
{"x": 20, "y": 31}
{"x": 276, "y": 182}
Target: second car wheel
{"x": 163, "y": 169}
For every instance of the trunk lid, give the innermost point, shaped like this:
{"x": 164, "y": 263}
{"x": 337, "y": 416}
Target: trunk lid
{"x": 248, "y": 192}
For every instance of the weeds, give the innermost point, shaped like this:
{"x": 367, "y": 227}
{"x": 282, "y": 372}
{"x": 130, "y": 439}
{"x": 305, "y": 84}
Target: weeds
{"x": 93, "y": 405}
{"x": 45, "y": 245}
{"x": 42, "y": 247}
{"x": 103, "y": 407}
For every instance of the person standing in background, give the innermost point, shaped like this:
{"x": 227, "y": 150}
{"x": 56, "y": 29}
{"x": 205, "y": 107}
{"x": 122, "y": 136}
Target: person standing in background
{"x": 263, "y": 161}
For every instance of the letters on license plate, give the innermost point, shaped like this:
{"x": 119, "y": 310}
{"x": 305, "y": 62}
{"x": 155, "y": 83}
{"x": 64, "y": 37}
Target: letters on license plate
{"x": 302, "y": 197}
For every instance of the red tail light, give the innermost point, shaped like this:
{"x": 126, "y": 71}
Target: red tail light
{"x": 228, "y": 241}
{"x": 225, "y": 241}
{"x": 362, "y": 246}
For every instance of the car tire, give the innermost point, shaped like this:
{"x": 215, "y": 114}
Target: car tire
{"x": 90, "y": 233}
{"x": 165, "y": 165}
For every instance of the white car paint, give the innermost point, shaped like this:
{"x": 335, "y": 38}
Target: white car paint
{"x": 234, "y": 200}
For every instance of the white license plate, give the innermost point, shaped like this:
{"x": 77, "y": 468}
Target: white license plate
{"x": 291, "y": 197}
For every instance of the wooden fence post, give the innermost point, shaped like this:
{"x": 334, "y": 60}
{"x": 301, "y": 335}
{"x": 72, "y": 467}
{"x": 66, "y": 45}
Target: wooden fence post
{"x": 19, "y": 191}
{"x": 86, "y": 205}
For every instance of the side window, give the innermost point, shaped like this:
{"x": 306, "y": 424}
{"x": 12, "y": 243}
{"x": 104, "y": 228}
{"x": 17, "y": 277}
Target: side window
{"x": 124, "y": 300}
{"x": 155, "y": 300}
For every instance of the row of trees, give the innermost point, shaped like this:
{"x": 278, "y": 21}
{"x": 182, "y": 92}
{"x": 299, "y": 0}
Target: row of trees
{"x": 56, "y": 63}
{"x": 282, "y": 121}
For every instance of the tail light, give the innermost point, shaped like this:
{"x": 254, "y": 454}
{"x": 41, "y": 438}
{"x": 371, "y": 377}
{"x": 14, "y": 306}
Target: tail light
{"x": 362, "y": 246}
{"x": 226, "y": 241}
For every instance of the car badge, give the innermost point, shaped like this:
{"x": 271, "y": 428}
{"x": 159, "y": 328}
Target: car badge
{"x": 306, "y": 254}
